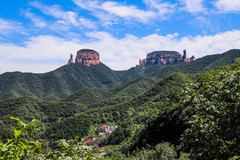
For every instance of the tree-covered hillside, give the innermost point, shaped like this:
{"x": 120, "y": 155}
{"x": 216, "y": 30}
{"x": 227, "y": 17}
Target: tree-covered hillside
{"x": 140, "y": 85}
{"x": 28, "y": 108}
{"x": 69, "y": 79}
{"x": 158, "y": 116}
{"x": 201, "y": 117}
{"x": 57, "y": 84}
{"x": 66, "y": 80}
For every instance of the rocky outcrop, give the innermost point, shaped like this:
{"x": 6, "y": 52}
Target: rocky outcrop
{"x": 70, "y": 60}
{"x": 185, "y": 59}
{"x": 165, "y": 58}
{"x": 87, "y": 57}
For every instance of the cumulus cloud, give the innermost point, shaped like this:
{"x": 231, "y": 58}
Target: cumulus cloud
{"x": 46, "y": 53}
{"x": 40, "y": 54}
{"x": 228, "y": 6}
{"x": 193, "y": 6}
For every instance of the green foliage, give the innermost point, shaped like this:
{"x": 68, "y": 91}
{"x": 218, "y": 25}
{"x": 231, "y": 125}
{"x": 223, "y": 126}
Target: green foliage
{"x": 23, "y": 146}
{"x": 27, "y": 108}
{"x": 57, "y": 84}
{"x": 64, "y": 81}
{"x": 165, "y": 151}
{"x": 20, "y": 146}
{"x": 136, "y": 130}
{"x": 85, "y": 96}
{"x": 147, "y": 114}
{"x": 68, "y": 128}
{"x": 162, "y": 151}
{"x": 74, "y": 150}
{"x": 5, "y": 131}
{"x": 207, "y": 63}
{"x": 215, "y": 126}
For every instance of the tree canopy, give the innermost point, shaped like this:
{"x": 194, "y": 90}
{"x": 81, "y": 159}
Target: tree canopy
{"x": 215, "y": 127}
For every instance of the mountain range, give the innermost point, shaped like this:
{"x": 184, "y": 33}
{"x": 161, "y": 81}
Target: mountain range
{"x": 76, "y": 98}
{"x": 68, "y": 79}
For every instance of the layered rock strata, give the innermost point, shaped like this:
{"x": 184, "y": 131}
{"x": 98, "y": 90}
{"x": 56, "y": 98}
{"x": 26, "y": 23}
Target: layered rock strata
{"x": 87, "y": 57}
{"x": 165, "y": 58}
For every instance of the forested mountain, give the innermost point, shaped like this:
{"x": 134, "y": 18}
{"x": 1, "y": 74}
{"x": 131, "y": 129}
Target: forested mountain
{"x": 65, "y": 80}
{"x": 140, "y": 85}
{"x": 153, "y": 111}
{"x": 69, "y": 79}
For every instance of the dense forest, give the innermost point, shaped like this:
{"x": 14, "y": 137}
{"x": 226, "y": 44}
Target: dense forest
{"x": 183, "y": 111}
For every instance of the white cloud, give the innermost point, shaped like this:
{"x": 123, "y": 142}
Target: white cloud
{"x": 40, "y": 54}
{"x": 45, "y": 53}
{"x": 109, "y": 10}
{"x": 37, "y": 21}
{"x": 163, "y": 8}
{"x": 228, "y": 6}
{"x": 66, "y": 17}
{"x": 193, "y": 6}
{"x": 7, "y": 26}
{"x": 128, "y": 12}
{"x": 54, "y": 10}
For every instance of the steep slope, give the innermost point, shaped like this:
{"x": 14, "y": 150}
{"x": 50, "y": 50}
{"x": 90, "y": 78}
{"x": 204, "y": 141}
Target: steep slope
{"x": 66, "y": 80}
{"x": 140, "y": 109}
{"x": 49, "y": 113}
{"x": 28, "y": 108}
{"x": 131, "y": 115}
{"x": 137, "y": 86}
{"x": 71, "y": 78}
{"x": 201, "y": 65}
{"x": 56, "y": 84}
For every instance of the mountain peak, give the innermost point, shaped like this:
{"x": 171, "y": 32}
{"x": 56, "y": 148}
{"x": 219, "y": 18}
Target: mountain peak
{"x": 165, "y": 58}
{"x": 87, "y": 57}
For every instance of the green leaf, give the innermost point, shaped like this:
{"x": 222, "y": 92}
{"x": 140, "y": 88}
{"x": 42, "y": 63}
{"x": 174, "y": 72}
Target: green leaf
{"x": 32, "y": 144}
{"x": 76, "y": 137}
{"x": 23, "y": 141}
{"x": 4, "y": 149}
{"x": 15, "y": 118}
{"x": 17, "y": 133}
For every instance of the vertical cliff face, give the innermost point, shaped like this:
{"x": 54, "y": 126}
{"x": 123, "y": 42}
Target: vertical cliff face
{"x": 165, "y": 58}
{"x": 87, "y": 57}
{"x": 90, "y": 57}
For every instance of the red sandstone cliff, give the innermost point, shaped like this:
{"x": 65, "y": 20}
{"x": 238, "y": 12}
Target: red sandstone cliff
{"x": 87, "y": 57}
{"x": 165, "y": 58}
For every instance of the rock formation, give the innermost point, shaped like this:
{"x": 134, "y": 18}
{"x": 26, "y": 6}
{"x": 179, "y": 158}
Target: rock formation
{"x": 70, "y": 60}
{"x": 185, "y": 59}
{"x": 87, "y": 57}
{"x": 165, "y": 58}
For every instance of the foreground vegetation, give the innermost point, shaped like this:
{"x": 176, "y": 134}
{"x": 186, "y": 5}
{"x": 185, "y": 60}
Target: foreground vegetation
{"x": 23, "y": 146}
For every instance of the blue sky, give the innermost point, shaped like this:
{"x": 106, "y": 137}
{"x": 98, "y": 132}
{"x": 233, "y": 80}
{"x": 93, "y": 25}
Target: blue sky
{"x": 38, "y": 35}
